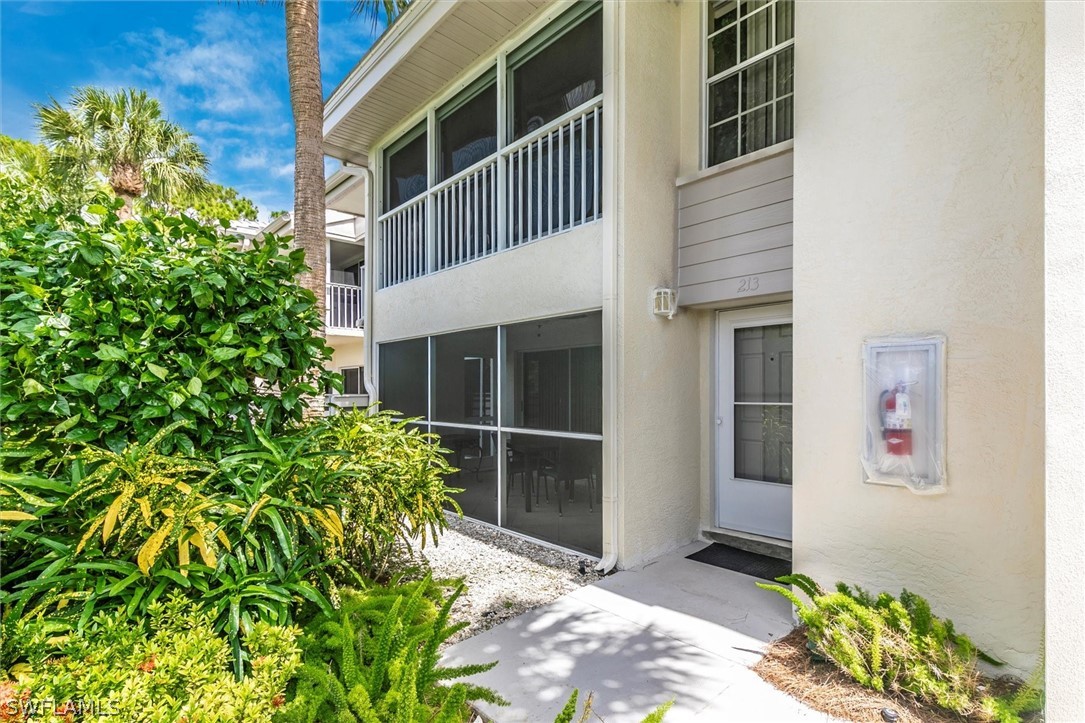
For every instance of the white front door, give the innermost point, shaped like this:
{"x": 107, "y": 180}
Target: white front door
{"x": 753, "y": 422}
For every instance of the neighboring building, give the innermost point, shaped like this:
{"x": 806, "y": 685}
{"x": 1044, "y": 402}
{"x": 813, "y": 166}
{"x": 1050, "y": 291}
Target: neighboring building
{"x": 808, "y": 177}
{"x": 245, "y": 231}
{"x": 344, "y": 293}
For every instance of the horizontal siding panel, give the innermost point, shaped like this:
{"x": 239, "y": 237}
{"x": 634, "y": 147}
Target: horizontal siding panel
{"x": 745, "y": 265}
{"x": 773, "y": 215}
{"x": 393, "y": 101}
{"x": 736, "y": 232}
{"x": 773, "y": 237}
{"x": 756, "y": 197}
{"x": 739, "y": 179}
{"x": 751, "y": 287}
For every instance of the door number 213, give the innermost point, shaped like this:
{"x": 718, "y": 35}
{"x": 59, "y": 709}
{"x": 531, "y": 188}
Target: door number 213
{"x": 748, "y": 284}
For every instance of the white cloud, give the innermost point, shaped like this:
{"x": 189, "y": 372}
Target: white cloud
{"x": 252, "y": 158}
{"x": 213, "y": 126}
{"x": 42, "y": 9}
{"x": 224, "y": 68}
{"x": 342, "y": 45}
{"x": 224, "y": 78}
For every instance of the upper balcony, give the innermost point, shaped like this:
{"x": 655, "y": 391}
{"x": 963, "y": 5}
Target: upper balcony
{"x": 344, "y": 299}
{"x": 482, "y": 124}
{"x": 345, "y": 309}
{"x": 547, "y": 182}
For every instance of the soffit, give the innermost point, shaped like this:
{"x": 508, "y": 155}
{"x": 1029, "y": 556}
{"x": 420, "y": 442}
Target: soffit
{"x": 431, "y": 44}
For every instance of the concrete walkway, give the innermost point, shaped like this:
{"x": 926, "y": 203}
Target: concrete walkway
{"x": 674, "y": 629}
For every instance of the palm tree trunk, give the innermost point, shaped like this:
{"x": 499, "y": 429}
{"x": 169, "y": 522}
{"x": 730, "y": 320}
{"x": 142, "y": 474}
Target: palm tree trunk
{"x": 307, "y": 102}
{"x": 126, "y": 180}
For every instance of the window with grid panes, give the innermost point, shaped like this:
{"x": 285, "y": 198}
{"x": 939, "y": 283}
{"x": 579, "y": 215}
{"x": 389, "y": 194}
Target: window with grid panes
{"x": 750, "y": 67}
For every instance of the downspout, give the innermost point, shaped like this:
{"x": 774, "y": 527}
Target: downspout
{"x": 611, "y": 292}
{"x": 367, "y": 313}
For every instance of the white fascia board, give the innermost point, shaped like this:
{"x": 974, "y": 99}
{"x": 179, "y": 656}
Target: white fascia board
{"x": 416, "y": 23}
{"x": 277, "y": 224}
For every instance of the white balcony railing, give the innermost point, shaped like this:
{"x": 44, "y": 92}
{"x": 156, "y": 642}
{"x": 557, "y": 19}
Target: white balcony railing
{"x": 554, "y": 176}
{"x": 346, "y": 306}
{"x": 403, "y": 242}
{"x": 547, "y": 182}
{"x": 467, "y": 215}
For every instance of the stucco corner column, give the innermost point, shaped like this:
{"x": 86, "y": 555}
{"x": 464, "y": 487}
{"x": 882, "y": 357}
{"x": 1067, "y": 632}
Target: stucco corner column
{"x": 1064, "y": 310}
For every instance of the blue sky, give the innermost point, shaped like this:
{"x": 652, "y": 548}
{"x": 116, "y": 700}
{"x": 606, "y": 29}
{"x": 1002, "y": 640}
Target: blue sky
{"x": 219, "y": 69}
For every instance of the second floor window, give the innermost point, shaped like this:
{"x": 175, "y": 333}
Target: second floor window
{"x": 405, "y": 169}
{"x": 750, "y": 66}
{"x": 538, "y": 150}
{"x": 560, "y": 76}
{"x": 468, "y": 130}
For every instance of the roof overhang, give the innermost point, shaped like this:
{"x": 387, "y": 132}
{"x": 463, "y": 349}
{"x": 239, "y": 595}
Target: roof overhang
{"x": 428, "y": 46}
{"x": 345, "y": 191}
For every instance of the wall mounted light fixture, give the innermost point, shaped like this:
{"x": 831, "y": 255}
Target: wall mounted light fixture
{"x": 665, "y": 302}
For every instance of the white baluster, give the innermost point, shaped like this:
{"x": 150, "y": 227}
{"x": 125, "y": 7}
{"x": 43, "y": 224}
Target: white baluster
{"x": 583, "y": 168}
{"x": 595, "y": 163}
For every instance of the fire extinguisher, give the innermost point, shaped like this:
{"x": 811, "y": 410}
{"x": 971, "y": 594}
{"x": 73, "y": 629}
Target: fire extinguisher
{"x": 896, "y": 413}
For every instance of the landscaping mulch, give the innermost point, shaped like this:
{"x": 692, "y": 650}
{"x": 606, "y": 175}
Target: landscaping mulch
{"x": 821, "y": 685}
{"x": 506, "y": 576}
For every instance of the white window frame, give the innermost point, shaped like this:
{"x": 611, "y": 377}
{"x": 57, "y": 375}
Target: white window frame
{"x": 361, "y": 386}
{"x": 707, "y": 81}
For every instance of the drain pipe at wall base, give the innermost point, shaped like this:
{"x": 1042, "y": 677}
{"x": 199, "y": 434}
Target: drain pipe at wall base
{"x": 367, "y": 312}
{"x": 611, "y": 296}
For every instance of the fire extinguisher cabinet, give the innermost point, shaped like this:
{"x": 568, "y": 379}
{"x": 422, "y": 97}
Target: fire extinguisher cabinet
{"x": 904, "y": 412}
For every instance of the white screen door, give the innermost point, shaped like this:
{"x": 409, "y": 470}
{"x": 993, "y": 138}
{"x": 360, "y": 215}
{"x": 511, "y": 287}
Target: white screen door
{"x": 753, "y": 422}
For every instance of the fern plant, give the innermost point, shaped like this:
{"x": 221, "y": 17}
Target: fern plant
{"x": 893, "y": 645}
{"x": 569, "y": 710}
{"x": 376, "y": 661}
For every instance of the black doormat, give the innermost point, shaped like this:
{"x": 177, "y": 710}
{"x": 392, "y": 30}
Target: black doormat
{"x": 748, "y": 563}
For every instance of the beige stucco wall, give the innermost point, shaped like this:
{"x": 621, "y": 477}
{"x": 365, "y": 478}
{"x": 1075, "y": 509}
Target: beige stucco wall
{"x": 691, "y": 86}
{"x": 550, "y": 277}
{"x": 346, "y": 352}
{"x": 919, "y": 208}
{"x": 658, "y": 370}
{"x": 1064, "y": 288}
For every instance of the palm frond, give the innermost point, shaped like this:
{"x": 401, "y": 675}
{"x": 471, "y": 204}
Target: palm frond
{"x": 110, "y": 133}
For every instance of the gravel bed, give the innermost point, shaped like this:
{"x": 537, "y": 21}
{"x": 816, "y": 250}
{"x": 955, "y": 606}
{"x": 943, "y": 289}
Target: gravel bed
{"x": 506, "y": 575}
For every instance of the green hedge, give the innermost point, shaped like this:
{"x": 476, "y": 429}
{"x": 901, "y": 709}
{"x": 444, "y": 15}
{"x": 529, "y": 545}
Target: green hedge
{"x": 110, "y": 330}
